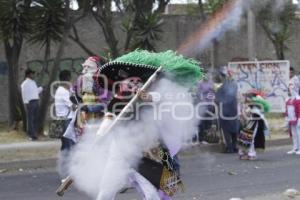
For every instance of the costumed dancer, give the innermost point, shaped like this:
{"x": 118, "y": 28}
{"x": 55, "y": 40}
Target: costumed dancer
{"x": 89, "y": 95}
{"x": 292, "y": 117}
{"x": 91, "y": 99}
{"x": 139, "y": 151}
{"x": 252, "y": 136}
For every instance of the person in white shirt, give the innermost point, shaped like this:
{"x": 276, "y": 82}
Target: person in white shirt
{"x": 30, "y": 95}
{"x": 63, "y": 104}
{"x": 64, "y": 110}
{"x": 62, "y": 101}
{"x": 294, "y": 79}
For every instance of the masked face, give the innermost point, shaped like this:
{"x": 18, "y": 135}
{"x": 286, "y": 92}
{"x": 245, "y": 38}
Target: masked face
{"x": 292, "y": 90}
{"x": 90, "y": 65}
{"x": 131, "y": 84}
{"x": 129, "y": 87}
{"x": 88, "y": 69}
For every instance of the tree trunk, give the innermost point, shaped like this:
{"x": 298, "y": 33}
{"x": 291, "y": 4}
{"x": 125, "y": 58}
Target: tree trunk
{"x": 279, "y": 48}
{"x": 77, "y": 40}
{"x": 83, "y": 46}
{"x": 16, "y": 107}
{"x": 108, "y": 31}
{"x": 201, "y": 8}
{"x": 54, "y": 71}
{"x": 44, "y": 105}
{"x": 215, "y": 54}
{"x": 111, "y": 39}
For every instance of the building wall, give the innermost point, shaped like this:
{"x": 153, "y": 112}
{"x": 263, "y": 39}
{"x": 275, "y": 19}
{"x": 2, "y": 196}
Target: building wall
{"x": 176, "y": 28}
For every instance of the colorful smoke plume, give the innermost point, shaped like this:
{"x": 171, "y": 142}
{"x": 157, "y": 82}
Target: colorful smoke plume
{"x": 227, "y": 18}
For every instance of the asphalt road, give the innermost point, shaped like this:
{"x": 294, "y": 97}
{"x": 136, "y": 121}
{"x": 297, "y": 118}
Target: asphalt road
{"x": 207, "y": 176}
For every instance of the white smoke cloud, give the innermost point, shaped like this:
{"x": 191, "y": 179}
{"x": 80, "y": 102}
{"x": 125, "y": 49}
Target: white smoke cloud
{"x": 105, "y": 165}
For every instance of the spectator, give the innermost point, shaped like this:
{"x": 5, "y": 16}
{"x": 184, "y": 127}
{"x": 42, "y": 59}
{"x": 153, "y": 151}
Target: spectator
{"x": 206, "y": 95}
{"x": 63, "y": 105}
{"x": 226, "y": 99}
{"x": 294, "y": 79}
{"x": 292, "y": 117}
{"x": 30, "y": 95}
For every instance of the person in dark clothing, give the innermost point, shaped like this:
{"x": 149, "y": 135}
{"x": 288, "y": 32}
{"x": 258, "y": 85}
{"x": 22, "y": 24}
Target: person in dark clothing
{"x": 226, "y": 99}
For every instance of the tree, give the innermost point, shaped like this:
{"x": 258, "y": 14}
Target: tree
{"x": 53, "y": 23}
{"x": 132, "y": 12}
{"x": 201, "y": 8}
{"x": 84, "y": 9}
{"x": 46, "y": 27}
{"x": 147, "y": 32}
{"x": 14, "y": 27}
{"x": 276, "y": 23}
{"x": 135, "y": 13}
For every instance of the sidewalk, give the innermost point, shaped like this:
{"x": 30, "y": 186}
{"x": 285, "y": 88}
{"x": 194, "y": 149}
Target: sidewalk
{"x": 28, "y": 155}
{"x": 41, "y": 154}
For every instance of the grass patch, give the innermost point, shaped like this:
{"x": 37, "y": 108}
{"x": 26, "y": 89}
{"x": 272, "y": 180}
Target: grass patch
{"x": 15, "y": 136}
{"x": 10, "y": 136}
{"x": 277, "y": 125}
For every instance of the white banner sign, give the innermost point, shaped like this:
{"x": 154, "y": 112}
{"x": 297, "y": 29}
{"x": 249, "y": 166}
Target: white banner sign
{"x": 271, "y": 77}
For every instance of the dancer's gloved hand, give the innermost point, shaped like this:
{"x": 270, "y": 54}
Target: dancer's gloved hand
{"x": 144, "y": 96}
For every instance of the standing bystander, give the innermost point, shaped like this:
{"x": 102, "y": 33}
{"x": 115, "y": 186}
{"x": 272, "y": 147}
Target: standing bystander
{"x": 206, "y": 96}
{"x": 30, "y": 95}
{"x": 227, "y": 101}
{"x": 294, "y": 79}
{"x": 292, "y": 117}
{"x": 63, "y": 104}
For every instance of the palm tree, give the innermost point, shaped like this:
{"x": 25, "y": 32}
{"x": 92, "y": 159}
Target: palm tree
{"x": 147, "y": 32}
{"x": 47, "y": 26}
{"x": 52, "y": 24}
{"x": 14, "y": 27}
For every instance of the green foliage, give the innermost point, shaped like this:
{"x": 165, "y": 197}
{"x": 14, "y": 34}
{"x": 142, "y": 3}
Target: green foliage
{"x": 142, "y": 22}
{"x": 192, "y": 9}
{"x": 147, "y": 31}
{"x": 212, "y": 6}
{"x": 14, "y": 19}
{"x": 47, "y": 21}
{"x": 278, "y": 21}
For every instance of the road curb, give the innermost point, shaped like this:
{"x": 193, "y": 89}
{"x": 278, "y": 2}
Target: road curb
{"x": 49, "y": 158}
{"x": 21, "y": 165}
{"x": 217, "y": 148}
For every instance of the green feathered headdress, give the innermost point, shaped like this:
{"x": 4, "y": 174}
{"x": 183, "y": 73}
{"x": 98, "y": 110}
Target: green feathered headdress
{"x": 183, "y": 70}
{"x": 261, "y": 102}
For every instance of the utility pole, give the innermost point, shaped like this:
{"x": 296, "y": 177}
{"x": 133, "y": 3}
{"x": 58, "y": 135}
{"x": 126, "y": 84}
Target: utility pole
{"x": 251, "y": 29}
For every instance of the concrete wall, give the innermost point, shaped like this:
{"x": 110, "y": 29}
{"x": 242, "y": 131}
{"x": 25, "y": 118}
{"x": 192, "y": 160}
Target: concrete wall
{"x": 176, "y": 29}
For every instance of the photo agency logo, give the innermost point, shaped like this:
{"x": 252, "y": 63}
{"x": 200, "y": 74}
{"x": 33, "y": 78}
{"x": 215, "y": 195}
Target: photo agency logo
{"x": 176, "y": 105}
